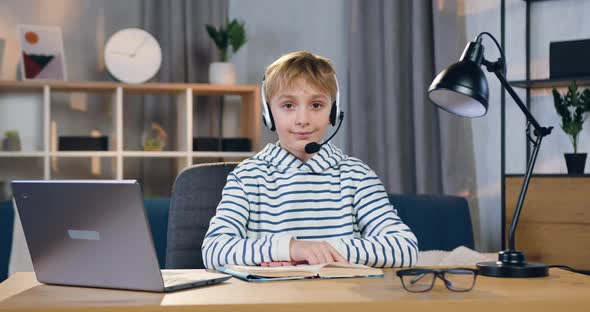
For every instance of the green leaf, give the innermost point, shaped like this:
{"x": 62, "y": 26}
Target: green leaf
{"x": 213, "y": 34}
{"x": 233, "y": 34}
{"x": 585, "y": 98}
{"x": 220, "y": 39}
{"x": 237, "y": 34}
{"x": 11, "y": 134}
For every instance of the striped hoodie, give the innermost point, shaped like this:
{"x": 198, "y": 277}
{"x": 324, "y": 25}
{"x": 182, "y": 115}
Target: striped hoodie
{"x": 273, "y": 197}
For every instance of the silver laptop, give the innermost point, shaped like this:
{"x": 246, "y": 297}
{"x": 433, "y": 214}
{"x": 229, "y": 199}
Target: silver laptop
{"x": 95, "y": 233}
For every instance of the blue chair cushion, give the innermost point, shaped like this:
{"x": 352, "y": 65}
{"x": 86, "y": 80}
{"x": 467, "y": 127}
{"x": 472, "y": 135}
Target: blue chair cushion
{"x": 157, "y": 213}
{"x": 6, "y": 228}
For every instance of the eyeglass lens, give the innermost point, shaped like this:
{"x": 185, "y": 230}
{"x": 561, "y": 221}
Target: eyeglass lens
{"x": 454, "y": 279}
{"x": 459, "y": 280}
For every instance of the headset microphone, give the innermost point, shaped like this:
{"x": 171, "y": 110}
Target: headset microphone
{"x": 314, "y": 147}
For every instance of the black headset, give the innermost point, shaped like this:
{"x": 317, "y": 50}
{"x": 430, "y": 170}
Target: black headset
{"x": 269, "y": 122}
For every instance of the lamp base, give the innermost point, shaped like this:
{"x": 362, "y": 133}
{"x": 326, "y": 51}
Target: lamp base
{"x": 499, "y": 269}
{"x": 511, "y": 263}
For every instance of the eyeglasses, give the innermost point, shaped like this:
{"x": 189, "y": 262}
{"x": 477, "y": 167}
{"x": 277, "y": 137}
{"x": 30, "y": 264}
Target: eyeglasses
{"x": 422, "y": 280}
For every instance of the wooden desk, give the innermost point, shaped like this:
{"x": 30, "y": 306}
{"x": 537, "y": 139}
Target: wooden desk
{"x": 562, "y": 289}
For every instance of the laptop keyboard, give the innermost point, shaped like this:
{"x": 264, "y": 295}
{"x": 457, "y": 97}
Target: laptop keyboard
{"x": 174, "y": 281}
{"x": 170, "y": 278}
{"x": 179, "y": 277}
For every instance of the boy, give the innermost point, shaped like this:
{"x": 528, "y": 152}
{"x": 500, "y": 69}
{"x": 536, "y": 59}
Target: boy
{"x": 286, "y": 206}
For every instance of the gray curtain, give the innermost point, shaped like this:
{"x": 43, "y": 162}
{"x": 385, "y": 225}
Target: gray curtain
{"x": 179, "y": 26}
{"x": 411, "y": 145}
{"x": 391, "y": 62}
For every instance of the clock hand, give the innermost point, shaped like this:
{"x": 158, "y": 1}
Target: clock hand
{"x": 139, "y": 46}
{"x": 121, "y": 53}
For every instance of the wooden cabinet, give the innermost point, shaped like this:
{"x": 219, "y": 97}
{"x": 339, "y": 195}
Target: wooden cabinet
{"x": 554, "y": 225}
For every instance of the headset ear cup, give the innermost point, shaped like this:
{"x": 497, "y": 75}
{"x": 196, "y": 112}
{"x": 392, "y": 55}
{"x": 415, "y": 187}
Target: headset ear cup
{"x": 272, "y": 121}
{"x": 267, "y": 119}
{"x": 333, "y": 114}
{"x": 268, "y": 122}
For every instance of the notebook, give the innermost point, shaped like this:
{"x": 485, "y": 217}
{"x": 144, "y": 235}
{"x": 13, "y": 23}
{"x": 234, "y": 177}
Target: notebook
{"x": 301, "y": 271}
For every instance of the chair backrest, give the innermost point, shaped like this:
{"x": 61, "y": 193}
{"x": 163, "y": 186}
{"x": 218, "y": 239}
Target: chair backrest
{"x": 440, "y": 222}
{"x": 195, "y": 196}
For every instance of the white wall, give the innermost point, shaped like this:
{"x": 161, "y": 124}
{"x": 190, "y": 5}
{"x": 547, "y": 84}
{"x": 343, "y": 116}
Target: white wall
{"x": 86, "y": 24}
{"x": 515, "y": 46}
{"x": 278, "y": 27}
{"x": 482, "y": 16}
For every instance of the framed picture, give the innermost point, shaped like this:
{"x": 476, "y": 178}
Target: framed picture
{"x": 41, "y": 52}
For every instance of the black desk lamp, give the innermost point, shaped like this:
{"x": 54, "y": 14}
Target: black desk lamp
{"x": 462, "y": 89}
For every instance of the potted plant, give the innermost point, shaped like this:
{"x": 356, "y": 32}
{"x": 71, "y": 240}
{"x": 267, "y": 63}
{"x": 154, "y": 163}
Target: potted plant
{"x": 11, "y": 141}
{"x": 233, "y": 34}
{"x": 572, "y": 108}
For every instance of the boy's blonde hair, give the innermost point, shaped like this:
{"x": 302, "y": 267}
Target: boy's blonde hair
{"x": 314, "y": 69}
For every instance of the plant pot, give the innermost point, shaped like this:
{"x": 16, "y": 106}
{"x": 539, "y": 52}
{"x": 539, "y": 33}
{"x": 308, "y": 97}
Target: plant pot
{"x": 575, "y": 162}
{"x": 222, "y": 73}
{"x": 11, "y": 144}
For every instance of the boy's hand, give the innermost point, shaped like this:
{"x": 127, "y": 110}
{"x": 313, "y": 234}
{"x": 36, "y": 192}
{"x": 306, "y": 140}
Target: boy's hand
{"x": 314, "y": 252}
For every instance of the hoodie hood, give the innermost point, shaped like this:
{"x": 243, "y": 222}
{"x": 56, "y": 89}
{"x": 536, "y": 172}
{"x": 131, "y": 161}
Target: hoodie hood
{"x": 327, "y": 157}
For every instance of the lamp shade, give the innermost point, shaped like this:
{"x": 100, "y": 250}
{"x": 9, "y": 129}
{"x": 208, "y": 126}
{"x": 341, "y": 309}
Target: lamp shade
{"x": 461, "y": 89}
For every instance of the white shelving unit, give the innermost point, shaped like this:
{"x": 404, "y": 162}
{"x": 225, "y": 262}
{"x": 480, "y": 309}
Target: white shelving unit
{"x": 182, "y": 152}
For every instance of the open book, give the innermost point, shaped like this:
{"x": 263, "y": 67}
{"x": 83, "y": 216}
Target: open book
{"x": 301, "y": 271}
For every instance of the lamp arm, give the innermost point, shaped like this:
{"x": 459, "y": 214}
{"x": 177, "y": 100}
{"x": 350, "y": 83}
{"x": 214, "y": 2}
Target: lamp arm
{"x": 523, "y": 190}
{"x": 540, "y": 132}
{"x": 495, "y": 67}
